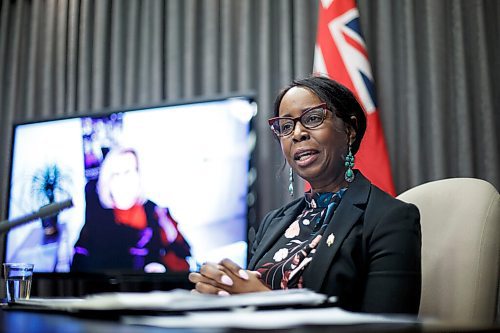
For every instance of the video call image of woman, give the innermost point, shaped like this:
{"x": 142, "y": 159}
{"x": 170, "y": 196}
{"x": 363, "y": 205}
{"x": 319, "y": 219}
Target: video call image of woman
{"x": 123, "y": 230}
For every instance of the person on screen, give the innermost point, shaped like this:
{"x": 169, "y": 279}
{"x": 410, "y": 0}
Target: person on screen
{"x": 345, "y": 237}
{"x": 123, "y": 230}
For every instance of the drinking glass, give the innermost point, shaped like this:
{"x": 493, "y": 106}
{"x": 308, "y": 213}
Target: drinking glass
{"x": 18, "y": 277}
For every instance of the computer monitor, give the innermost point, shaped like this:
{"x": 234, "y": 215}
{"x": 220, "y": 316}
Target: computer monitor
{"x": 155, "y": 189}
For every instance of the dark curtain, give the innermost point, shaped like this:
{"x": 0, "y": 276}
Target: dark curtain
{"x": 435, "y": 64}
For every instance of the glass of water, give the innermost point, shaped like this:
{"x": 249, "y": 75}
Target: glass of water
{"x": 18, "y": 277}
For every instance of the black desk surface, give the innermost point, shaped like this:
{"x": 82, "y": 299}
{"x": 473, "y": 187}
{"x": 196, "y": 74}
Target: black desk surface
{"x": 17, "y": 321}
{"x": 20, "y": 321}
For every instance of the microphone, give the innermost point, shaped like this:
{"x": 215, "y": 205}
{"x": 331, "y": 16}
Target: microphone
{"x": 44, "y": 212}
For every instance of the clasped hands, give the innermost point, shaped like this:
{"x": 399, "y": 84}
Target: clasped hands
{"x": 226, "y": 278}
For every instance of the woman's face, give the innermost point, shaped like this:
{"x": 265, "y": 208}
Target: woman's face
{"x": 316, "y": 155}
{"x": 124, "y": 183}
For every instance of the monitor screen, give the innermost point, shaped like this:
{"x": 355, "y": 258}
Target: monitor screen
{"x": 159, "y": 189}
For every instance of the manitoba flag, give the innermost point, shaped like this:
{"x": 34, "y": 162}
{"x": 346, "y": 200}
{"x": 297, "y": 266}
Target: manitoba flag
{"x": 340, "y": 54}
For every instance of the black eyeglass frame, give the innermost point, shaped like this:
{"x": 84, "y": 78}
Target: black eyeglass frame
{"x": 271, "y": 121}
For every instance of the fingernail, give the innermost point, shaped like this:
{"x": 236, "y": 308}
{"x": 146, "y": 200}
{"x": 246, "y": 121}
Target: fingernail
{"x": 223, "y": 293}
{"x": 243, "y": 274}
{"x": 258, "y": 274}
{"x": 226, "y": 280}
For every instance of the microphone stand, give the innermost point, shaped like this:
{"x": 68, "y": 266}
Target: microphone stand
{"x": 44, "y": 212}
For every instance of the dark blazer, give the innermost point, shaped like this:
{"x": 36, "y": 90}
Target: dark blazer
{"x": 373, "y": 264}
{"x": 106, "y": 244}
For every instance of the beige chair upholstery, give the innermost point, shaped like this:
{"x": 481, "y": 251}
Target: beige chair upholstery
{"x": 460, "y": 220}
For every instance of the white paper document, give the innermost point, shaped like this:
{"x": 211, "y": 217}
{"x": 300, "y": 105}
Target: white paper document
{"x": 265, "y": 319}
{"x": 177, "y": 300}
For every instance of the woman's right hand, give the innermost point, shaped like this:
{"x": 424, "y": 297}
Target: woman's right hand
{"x": 226, "y": 278}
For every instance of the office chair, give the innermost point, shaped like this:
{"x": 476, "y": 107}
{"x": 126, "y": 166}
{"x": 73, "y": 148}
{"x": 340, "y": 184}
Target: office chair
{"x": 460, "y": 219}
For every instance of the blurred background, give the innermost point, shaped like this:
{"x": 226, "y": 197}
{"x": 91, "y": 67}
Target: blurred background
{"x": 435, "y": 65}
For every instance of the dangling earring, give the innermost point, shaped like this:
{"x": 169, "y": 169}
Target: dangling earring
{"x": 290, "y": 179}
{"x": 349, "y": 164}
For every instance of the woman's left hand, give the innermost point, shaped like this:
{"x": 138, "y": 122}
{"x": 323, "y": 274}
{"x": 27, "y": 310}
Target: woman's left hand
{"x": 226, "y": 278}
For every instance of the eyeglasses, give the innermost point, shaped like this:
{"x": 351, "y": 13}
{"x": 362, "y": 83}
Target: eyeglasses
{"x": 310, "y": 118}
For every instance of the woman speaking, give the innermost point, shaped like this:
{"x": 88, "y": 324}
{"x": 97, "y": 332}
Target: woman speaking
{"x": 345, "y": 237}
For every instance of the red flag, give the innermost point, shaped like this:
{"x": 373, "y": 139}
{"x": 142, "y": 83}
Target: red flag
{"x": 340, "y": 54}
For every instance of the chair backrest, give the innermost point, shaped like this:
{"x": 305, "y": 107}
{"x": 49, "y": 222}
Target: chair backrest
{"x": 460, "y": 219}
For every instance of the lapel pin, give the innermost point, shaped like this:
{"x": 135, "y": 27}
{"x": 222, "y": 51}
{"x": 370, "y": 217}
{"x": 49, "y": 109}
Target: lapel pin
{"x": 330, "y": 239}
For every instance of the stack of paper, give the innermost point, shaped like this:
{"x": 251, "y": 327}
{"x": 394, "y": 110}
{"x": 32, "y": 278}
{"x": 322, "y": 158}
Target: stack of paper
{"x": 270, "y": 319}
{"x": 178, "y": 300}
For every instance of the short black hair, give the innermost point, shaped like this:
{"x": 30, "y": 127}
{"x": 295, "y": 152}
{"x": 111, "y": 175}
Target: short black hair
{"x": 338, "y": 99}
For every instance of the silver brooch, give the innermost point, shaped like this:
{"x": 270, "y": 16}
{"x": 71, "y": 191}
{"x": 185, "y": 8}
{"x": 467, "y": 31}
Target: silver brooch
{"x": 330, "y": 239}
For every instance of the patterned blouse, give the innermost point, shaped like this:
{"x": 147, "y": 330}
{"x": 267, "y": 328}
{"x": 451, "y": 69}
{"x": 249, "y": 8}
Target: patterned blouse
{"x": 282, "y": 266}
